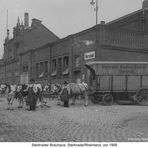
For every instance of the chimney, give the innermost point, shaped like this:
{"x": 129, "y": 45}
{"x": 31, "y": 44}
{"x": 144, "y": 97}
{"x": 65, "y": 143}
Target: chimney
{"x": 102, "y": 22}
{"x": 26, "y": 20}
{"x": 35, "y": 22}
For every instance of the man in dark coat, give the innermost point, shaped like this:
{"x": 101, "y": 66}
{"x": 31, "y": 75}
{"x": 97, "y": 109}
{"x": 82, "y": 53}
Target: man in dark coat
{"x": 32, "y": 96}
{"x": 64, "y": 95}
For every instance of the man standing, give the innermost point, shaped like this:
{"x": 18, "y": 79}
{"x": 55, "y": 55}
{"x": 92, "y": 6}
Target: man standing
{"x": 85, "y": 93}
{"x": 64, "y": 95}
{"x": 32, "y": 95}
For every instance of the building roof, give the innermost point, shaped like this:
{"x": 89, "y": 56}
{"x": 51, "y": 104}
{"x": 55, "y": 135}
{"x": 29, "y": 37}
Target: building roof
{"x": 128, "y": 17}
{"x": 29, "y": 38}
{"x": 36, "y": 37}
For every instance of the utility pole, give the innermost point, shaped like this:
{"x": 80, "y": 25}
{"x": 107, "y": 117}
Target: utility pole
{"x": 143, "y": 28}
{"x": 95, "y": 5}
{"x": 6, "y": 43}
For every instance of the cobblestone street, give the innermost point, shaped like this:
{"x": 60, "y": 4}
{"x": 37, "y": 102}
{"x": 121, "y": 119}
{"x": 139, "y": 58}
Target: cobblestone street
{"x": 94, "y": 123}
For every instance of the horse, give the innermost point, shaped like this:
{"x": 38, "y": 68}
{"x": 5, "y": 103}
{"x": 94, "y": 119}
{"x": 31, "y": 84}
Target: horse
{"x": 10, "y": 94}
{"x": 52, "y": 89}
{"x": 75, "y": 90}
{"x": 2, "y": 88}
{"x": 47, "y": 88}
{"x": 21, "y": 94}
{"x": 39, "y": 94}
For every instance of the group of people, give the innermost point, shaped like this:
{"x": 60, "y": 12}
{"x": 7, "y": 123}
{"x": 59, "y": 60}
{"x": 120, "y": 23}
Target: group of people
{"x": 26, "y": 94}
{"x": 29, "y": 95}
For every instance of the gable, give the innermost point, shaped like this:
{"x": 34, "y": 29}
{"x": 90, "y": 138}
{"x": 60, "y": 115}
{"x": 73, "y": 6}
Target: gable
{"x": 36, "y": 37}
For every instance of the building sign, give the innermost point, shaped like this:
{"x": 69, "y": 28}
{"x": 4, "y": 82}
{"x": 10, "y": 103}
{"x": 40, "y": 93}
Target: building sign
{"x": 121, "y": 69}
{"x": 89, "y": 55}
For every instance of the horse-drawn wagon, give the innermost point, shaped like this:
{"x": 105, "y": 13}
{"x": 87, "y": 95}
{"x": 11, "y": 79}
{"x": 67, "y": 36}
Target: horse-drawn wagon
{"x": 116, "y": 81}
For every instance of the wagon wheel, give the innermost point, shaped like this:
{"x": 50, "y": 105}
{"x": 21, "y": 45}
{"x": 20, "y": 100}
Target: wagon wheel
{"x": 107, "y": 99}
{"x": 142, "y": 96}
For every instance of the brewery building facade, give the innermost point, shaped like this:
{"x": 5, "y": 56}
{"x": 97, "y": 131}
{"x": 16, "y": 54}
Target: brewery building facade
{"x": 36, "y": 52}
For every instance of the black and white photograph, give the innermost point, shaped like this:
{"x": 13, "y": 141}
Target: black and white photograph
{"x": 74, "y": 73}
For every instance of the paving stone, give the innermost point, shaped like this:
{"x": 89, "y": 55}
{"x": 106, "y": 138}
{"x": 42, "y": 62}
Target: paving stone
{"x": 94, "y": 123}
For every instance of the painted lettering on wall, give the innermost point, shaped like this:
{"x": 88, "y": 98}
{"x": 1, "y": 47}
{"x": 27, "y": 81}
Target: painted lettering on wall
{"x": 122, "y": 69}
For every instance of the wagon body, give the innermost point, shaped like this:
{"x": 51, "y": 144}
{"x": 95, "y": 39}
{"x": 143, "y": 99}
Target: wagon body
{"x": 119, "y": 79}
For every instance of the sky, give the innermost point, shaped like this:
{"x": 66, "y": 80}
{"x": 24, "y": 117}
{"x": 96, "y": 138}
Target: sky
{"x": 62, "y": 17}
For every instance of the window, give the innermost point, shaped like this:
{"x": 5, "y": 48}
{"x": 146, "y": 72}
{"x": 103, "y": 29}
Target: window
{"x": 10, "y": 53}
{"x": 46, "y": 66}
{"x": 41, "y": 74}
{"x": 77, "y": 61}
{"x": 17, "y": 45}
{"x": 41, "y": 67}
{"x": 65, "y": 65}
{"x": 65, "y": 62}
{"x": 54, "y": 67}
{"x": 60, "y": 66}
{"x": 25, "y": 68}
{"x": 37, "y": 70}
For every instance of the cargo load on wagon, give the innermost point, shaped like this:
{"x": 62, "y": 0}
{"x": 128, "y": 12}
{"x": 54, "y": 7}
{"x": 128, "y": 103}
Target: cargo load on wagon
{"x": 111, "y": 82}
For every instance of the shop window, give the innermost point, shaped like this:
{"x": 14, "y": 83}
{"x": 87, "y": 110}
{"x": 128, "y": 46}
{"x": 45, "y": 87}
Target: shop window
{"x": 25, "y": 68}
{"x": 37, "y": 70}
{"x": 54, "y": 67}
{"x": 41, "y": 67}
{"x": 46, "y": 68}
{"x": 41, "y": 70}
{"x": 65, "y": 62}
{"x": 65, "y": 65}
{"x": 59, "y": 66}
{"x": 77, "y": 61}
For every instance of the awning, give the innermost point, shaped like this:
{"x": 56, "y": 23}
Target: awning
{"x": 41, "y": 75}
{"x": 66, "y": 71}
{"x": 76, "y": 69}
{"x": 54, "y": 73}
{"x": 91, "y": 70}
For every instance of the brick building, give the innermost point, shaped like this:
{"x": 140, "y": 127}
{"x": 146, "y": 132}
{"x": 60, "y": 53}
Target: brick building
{"x": 46, "y": 58}
{"x": 17, "y": 65}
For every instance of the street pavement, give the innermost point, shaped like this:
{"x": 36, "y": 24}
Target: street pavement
{"x": 53, "y": 123}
